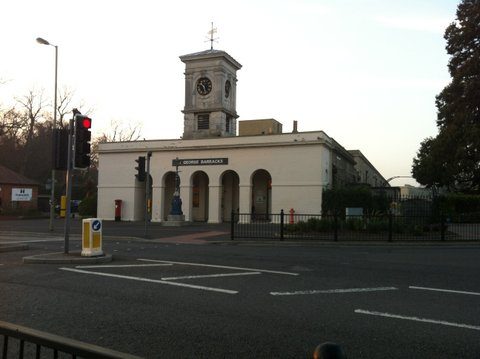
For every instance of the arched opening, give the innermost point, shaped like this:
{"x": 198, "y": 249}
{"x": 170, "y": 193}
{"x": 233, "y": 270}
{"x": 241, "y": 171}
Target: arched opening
{"x": 200, "y": 196}
{"x": 168, "y": 191}
{"x": 230, "y": 194}
{"x": 261, "y": 195}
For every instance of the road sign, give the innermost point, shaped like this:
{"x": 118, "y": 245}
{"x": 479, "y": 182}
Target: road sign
{"x": 96, "y": 225}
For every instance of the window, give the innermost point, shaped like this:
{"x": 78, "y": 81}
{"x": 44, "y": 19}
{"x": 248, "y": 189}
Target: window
{"x": 228, "y": 124}
{"x": 203, "y": 121}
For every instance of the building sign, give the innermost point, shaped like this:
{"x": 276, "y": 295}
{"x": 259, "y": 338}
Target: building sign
{"x": 21, "y": 194}
{"x": 200, "y": 162}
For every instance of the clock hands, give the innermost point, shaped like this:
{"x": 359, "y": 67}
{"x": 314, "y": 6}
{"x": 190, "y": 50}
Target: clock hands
{"x": 204, "y": 86}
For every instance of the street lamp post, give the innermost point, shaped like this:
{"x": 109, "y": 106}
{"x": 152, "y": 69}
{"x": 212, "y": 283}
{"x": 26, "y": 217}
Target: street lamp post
{"x": 52, "y": 192}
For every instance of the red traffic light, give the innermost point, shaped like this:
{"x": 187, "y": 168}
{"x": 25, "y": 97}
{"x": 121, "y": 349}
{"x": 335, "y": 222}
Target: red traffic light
{"x": 86, "y": 122}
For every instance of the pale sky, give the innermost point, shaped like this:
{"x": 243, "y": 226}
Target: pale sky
{"x": 364, "y": 71}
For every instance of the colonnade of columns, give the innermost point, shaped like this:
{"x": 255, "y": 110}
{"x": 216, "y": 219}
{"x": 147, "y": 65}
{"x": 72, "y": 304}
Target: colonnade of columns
{"x": 209, "y": 199}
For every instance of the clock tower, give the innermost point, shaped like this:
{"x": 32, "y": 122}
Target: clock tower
{"x": 210, "y": 94}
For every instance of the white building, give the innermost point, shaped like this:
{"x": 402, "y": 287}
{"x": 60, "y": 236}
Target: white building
{"x": 218, "y": 170}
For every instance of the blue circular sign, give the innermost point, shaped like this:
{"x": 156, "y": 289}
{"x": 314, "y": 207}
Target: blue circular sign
{"x": 96, "y": 225}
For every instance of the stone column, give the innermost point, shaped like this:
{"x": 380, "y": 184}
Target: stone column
{"x": 214, "y": 203}
{"x": 245, "y": 194}
{"x": 157, "y": 205}
{"x": 186, "y": 196}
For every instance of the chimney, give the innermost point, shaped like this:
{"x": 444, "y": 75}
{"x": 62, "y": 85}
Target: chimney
{"x": 295, "y": 124}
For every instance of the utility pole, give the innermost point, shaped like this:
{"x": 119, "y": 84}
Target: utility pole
{"x": 148, "y": 195}
{"x": 69, "y": 178}
{"x": 52, "y": 189}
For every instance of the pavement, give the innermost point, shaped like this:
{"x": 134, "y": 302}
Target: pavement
{"x": 13, "y": 247}
{"x": 67, "y": 258}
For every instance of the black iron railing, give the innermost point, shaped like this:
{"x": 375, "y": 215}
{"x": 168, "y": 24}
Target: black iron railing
{"x": 379, "y": 226}
{"x": 22, "y": 342}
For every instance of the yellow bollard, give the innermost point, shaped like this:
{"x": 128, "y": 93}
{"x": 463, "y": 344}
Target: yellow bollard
{"x": 63, "y": 206}
{"x": 92, "y": 237}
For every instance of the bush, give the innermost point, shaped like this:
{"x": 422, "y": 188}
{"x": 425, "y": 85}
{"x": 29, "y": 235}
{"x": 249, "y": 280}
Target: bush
{"x": 88, "y": 207}
{"x": 21, "y": 212}
{"x": 337, "y": 199}
{"x": 311, "y": 225}
{"x": 376, "y": 225}
{"x": 355, "y": 224}
{"x": 459, "y": 207}
{"x": 319, "y": 224}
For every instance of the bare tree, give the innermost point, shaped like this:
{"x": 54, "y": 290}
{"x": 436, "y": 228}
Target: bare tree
{"x": 11, "y": 144}
{"x": 118, "y": 133}
{"x": 66, "y": 101}
{"x": 11, "y": 124}
{"x": 32, "y": 106}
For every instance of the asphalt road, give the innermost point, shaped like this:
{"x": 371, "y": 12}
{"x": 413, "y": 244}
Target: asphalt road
{"x": 166, "y": 299}
{"x": 110, "y": 228}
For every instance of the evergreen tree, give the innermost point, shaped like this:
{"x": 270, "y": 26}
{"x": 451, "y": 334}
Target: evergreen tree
{"x": 452, "y": 158}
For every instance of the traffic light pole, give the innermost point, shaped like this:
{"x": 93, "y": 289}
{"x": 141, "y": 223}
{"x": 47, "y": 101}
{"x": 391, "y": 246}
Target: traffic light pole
{"x": 148, "y": 195}
{"x": 69, "y": 184}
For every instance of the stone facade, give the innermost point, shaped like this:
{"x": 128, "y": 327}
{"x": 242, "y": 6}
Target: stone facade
{"x": 366, "y": 172}
{"x": 262, "y": 171}
{"x": 268, "y": 173}
{"x": 210, "y": 94}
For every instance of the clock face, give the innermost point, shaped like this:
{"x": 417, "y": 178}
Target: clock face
{"x": 228, "y": 86}
{"x": 204, "y": 86}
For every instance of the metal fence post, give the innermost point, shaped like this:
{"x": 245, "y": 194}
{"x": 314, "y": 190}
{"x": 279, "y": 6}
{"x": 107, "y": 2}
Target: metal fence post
{"x": 232, "y": 225}
{"x": 390, "y": 226}
{"x": 442, "y": 227}
{"x": 281, "y": 224}
{"x": 335, "y": 226}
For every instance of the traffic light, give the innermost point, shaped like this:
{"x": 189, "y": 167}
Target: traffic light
{"x": 60, "y": 149}
{"x": 141, "y": 175}
{"x": 82, "y": 141}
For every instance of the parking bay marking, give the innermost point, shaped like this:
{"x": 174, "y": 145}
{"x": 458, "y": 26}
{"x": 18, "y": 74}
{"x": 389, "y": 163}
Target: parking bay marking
{"x": 444, "y": 290}
{"x": 417, "y": 319}
{"x": 219, "y": 266}
{"x": 126, "y": 265}
{"x": 251, "y": 271}
{"x": 167, "y": 265}
{"x": 211, "y": 275}
{"x": 226, "y": 291}
{"x": 333, "y": 291}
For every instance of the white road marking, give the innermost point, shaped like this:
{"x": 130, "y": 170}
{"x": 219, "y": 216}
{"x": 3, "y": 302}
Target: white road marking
{"x": 126, "y": 265}
{"x": 444, "y": 290}
{"x": 140, "y": 279}
{"x": 417, "y": 319}
{"x": 333, "y": 291}
{"x": 211, "y": 275}
{"x": 218, "y": 266}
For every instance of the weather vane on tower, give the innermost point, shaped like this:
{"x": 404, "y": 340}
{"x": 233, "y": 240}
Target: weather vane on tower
{"x": 211, "y": 38}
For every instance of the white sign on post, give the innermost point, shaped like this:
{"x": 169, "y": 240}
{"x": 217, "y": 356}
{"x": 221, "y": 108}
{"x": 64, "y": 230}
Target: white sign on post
{"x": 21, "y": 194}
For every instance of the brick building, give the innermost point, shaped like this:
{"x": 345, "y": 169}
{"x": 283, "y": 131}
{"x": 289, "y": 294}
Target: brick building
{"x": 17, "y": 192}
